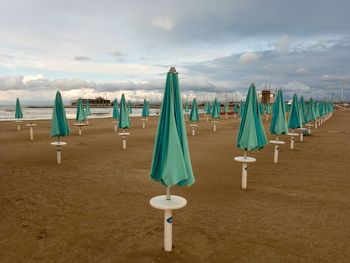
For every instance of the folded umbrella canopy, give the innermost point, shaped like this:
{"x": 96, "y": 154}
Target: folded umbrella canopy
{"x": 251, "y": 134}
{"x": 215, "y": 110}
{"x": 80, "y": 111}
{"x": 278, "y": 123}
{"x": 115, "y": 110}
{"x": 18, "y": 113}
{"x": 194, "y": 117}
{"x": 59, "y": 124}
{"x": 129, "y": 107}
{"x": 145, "y": 109}
{"x": 294, "y": 120}
{"x": 241, "y": 108}
{"x": 124, "y": 118}
{"x": 226, "y": 107}
{"x": 171, "y": 163}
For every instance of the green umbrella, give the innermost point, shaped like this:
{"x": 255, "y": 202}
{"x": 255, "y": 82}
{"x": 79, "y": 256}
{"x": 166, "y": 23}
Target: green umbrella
{"x": 171, "y": 164}
{"x": 241, "y": 108}
{"x": 80, "y": 111}
{"x": 311, "y": 115}
{"x": 278, "y": 122}
{"x": 115, "y": 110}
{"x": 186, "y": 107}
{"x": 294, "y": 120}
{"x": 251, "y": 134}
{"x": 226, "y": 107}
{"x": 205, "y": 106}
{"x": 303, "y": 110}
{"x": 145, "y": 109}
{"x": 87, "y": 108}
{"x": 59, "y": 124}
{"x": 19, "y": 113}
{"x": 215, "y": 110}
{"x": 235, "y": 108}
{"x": 209, "y": 109}
{"x": 194, "y": 117}
{"x": 124, "y": 119}
{"x": 129, "y": 107}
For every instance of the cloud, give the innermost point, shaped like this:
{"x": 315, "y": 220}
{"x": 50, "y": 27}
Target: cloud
{"x": 302, "y": 71}
{"x": 81, "y": 58}
{"x": 164, "y": 23}
{"x": 116, "y": 54}
{"x": 249, "y": 57}
{"x": 283, "y": 44}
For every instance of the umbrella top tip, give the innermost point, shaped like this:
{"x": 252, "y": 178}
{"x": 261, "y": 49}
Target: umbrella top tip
{"x": 172, "y": 69}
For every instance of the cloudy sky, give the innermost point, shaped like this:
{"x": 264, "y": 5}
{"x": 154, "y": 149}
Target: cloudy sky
{"x": 91, "y": 48}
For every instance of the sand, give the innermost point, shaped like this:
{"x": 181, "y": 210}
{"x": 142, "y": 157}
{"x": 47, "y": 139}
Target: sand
{"x": 94, "y": 207}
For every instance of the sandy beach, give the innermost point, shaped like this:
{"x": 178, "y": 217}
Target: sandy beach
{"x": 94, "y": 207}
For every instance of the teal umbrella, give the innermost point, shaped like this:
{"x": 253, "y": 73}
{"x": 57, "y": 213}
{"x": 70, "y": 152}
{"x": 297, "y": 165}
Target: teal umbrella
{"x": 145, "y": 109}
{"x": 124, "y": 119}
{"x": 311, "y": 115}
{"x": 194, "y": 117}
{"x": 209, "y": 109}
{"x": 294, "y": 120}
{"x": 278, "y": 122}
{"x": 129, "y": 107}
{"x": 19, "y": 113}
{"x": 80, "y": 111}
{"x": 251, "y": 134}
{"x": 226, "y": 107}
{"x": 235, "y": 108}
{"x": 115, "y": 110}
{"x": 171, "y": 163}
{"x": 215, "y": 110}
{"x": 59, "y": 124}
{"x": 186, "y": 107}
{"x": 241, "y": 108}
{"x": 87, "y": 108}
{"x": 303, "y": 110}
{"x": 205, "y": 107}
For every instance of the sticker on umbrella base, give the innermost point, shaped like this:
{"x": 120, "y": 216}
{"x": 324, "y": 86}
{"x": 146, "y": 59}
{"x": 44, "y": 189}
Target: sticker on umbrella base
{"x": 170, "y": 220}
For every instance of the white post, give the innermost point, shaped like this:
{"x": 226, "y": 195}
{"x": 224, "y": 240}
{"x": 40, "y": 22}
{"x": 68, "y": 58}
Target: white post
{"x": 18, "y": 127}
{"x": 58, "y": 148}
{"x": 31, "y": 133}
{"x": 301, "y": 136}
{"x": 292, "y": 142}
{"x": 275, "y": 156}
{"x": 309, "y": 130}
{"x": 193, "y": 131}
{"x": 143, "y": 124}
{"x": 124, "y": 142}
{"x": 168, "y": 230}
{"x": 315, "y": 124}
{"x": 116, "y": 127}
{"x": 244, "y": 175}
{"x": 214, "y": 126}
{"x": 79, "y": 130}
{"x": 226, "y": 115}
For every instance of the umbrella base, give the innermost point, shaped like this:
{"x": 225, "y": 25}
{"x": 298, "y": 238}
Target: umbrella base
{"x": 124, "y": 135}
{"x": 245, "y": 160}
{"x": 275, "y": 155}
{"x": 58, "y": 150}
{"x": 175, "y": 202}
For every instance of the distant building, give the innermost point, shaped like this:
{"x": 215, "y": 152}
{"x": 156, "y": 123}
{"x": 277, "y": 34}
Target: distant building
{"x": 98, "y": 102}
{"x": 266, "y": 96}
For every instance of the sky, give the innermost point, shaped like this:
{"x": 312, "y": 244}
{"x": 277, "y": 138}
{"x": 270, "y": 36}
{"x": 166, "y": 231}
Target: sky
{"x": 107, "y": 47}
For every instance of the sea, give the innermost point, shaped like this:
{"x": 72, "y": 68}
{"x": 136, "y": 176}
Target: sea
{"x": 7, "y": 112}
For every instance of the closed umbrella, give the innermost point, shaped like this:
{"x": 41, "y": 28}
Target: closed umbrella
{"x": 251, "y": 134}
{"x": 215, "y": 113}
{"x": 278, "y": 123}
{"x": 80, "y": 116}
{"x": 124, "y": 120}
{"x": 18, "y": 114}
{"x": 59, "y": 125}
{"x": 171, "y": 163}
{"x": 145, "y": 113}
{"x": 129, "y": 107}
{"x": 294, "y": 120}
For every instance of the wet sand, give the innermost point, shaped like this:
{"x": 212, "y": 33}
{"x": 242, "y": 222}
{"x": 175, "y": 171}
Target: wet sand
{"x": 94, "y": 207}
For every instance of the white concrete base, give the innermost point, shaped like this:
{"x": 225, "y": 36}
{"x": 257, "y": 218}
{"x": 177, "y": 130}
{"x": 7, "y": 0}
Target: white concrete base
{"x": 245, "y": 160}
{"x": 80, "y": 125}
{"x": 301, "y": 130}
{"x": 58, "y": 150}
{"x": 143, "y": 123}
{"x": 309, "y": 125}
{"x": 292, "y": 141}
{"x": 115, "y": 126}
{"x": 214, "y": 127}
{"x": 124, "y": 135}
{"x": 193, "y": 126}
{"x": 175, "y": 202}
{"x": 18, "y": 125}
{"x": 31, "y": 132}
{"x": 275, "y": 155}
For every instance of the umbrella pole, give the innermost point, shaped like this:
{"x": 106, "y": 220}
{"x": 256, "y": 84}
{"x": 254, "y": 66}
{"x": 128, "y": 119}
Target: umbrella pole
{"x": 124, "y": 140}
{"x": 58, "y": 151}
{"x": 168, "y": 193}
{"x": 244, "y": 172}
{"x": 168, "y": 225}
